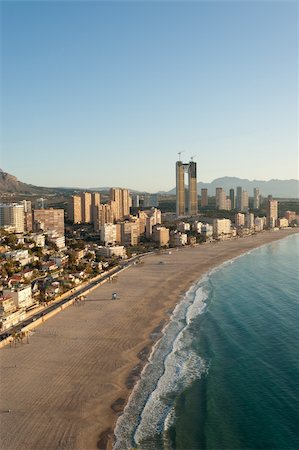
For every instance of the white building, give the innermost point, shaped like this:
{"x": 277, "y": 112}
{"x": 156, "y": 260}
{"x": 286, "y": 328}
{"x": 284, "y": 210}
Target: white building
{"x": 282, "y": 222}
{"x": 197, "y": 226}
{"x": 59, "y": 241}
{"x": 39, "y": 239}
{"x": 177, "y": 239}
{"x": 109, "y": 233}
{"x": 17, "y": 255}
{"x": 221, "y": 228}
{"x": 9, "y": 314}
{"x": 12, "y": 217}
{"x": 22, "y": 296}
{"x": 249, "y": 221}
{"x": 183, "y": 226}
{"x": 259, "y": 223}
{"x": 207, "y": 231}
{"x": 116, "y": 250}
{"x": 239, "y": 220}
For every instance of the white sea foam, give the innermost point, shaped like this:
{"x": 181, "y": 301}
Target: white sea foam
{"x": 172, "y": 366}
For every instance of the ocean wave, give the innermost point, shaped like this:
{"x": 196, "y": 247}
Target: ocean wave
{"x": 172, "y": 366}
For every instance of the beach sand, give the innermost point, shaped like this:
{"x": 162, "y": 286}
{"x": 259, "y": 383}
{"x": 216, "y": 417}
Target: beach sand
{"x": 66, "y": 388}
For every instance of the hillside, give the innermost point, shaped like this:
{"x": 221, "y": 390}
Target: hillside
{"x": 10, "y": 184}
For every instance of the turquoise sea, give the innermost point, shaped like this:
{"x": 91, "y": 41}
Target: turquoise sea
{"x": 225, "y": 375}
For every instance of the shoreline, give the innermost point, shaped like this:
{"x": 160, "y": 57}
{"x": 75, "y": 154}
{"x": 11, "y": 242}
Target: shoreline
{"x": 109, "y": 436}
{"x": 94, "y": 360}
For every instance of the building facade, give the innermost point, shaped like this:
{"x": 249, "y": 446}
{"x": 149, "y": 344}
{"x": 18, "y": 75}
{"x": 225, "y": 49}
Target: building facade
{"x": 186, "y": 204}
{"x": 49, "y": 220}
{"x": 204, "y": 198}
{"x": 12, "y": 216}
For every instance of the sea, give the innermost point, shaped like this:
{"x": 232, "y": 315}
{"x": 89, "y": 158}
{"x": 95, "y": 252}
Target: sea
{"x": 225, "y": 374}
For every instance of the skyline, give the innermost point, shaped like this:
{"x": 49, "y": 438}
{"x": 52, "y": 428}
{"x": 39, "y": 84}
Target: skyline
{"x": 103, "y": 92}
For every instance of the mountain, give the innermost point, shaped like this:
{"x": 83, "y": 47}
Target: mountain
{"x": 277, "y": 188}
{"x": 10, "y": 184}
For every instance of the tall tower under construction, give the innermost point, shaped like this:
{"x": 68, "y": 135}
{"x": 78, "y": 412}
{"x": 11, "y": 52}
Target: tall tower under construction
{"x": 190, "y": 199}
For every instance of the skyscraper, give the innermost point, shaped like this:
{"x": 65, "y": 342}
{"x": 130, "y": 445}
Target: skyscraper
{"x": 120, "y": 202}
{"x": 191, "y": 200}
{"x": 86, "y": 207}
{"x": 272, "y": 213}
{"x": 12, "y": 216}
{"x": 180, "y": 189}
{"x": 256, "y": 198}
{"x": 220, "y": 198}
{"x": 74, "y": 210}
{"x": 192, "y": 182}
{"x": 204, "y": 198}
{"x": 232, "y": 198}
{"x": 95, "y": 203}
{"x": 239, "y": 199}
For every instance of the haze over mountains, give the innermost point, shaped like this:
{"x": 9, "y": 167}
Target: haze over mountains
{"x": 278, "y": 188}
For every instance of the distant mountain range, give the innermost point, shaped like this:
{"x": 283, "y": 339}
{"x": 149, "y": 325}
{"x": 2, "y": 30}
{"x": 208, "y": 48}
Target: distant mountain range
{"x": 278, "y": 188}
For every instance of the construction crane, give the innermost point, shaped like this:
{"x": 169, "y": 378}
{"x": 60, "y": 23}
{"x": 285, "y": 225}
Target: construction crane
{"x": 179, "y": 153}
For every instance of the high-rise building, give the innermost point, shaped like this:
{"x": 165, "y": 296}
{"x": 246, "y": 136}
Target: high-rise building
{"x": 49, "y": 221}
{"x": 239, "y": 198}
{"x": 104, "y": 214}
{"x": 242, "y": 201}
{"x": 204, "y": 198}
{"x": 272, "y": 213}
{"x": 191, "y": 199}
{"x": 12, "y": 216}
{"x": 120, "y": 202}
{"x": 86, "y": 207}
{"x": 221, "y": 227}
{"x": 256, "y": 198}
{"x": 95, "y": 203}
{"x": 220, "y": 199}
{"x": 239, "y": 220}
{"x": 74, "y": 209}
{"x": 108, "y": 233}
{"x": 245, "y": 201}
{"x": 232, "y": 198}
{"x": 249, "y": 220}
{"x": 27, "y": 214}
{"x": 161, "y": 235}
{"x": 135, "y": 200}
{"x": 180, "y": 189}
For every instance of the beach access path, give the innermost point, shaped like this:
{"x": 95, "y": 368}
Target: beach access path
{"x": 66, "y": 387}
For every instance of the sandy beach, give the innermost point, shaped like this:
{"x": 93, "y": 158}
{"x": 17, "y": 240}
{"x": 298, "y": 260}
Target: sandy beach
{"x": 67, "y": 387}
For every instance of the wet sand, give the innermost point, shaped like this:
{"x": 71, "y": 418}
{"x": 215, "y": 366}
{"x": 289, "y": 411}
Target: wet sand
{"x": 66, "y": 388}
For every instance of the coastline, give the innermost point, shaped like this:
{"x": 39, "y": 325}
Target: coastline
{"x": 107, "y": 346}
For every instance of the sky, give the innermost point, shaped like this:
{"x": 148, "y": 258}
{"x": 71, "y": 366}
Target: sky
{"x": 99, "y": 93}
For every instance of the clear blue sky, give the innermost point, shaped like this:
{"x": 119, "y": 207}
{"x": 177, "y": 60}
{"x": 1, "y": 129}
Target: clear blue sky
{"x": 106, "y": 93}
